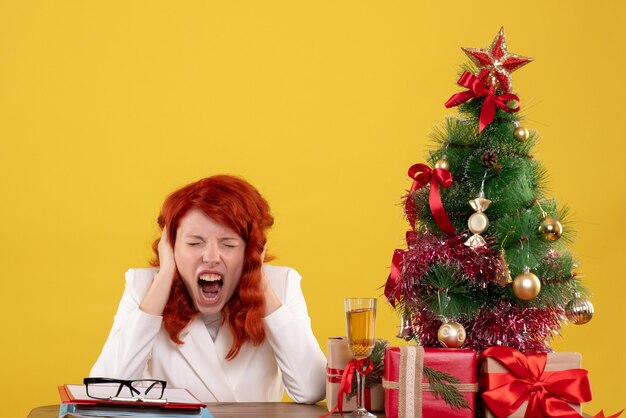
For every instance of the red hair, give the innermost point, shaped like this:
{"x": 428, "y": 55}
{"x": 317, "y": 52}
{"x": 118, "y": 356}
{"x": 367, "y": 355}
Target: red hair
{"x": 233, "y": 202}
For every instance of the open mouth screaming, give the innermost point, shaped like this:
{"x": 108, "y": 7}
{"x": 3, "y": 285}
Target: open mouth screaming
{"x": 210, "y": 287}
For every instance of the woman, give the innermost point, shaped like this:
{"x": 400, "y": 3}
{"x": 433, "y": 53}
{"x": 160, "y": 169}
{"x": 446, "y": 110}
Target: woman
{"x": 212, "y": 318}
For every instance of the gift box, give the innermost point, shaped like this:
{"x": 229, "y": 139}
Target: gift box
{"x": 539, "y": 385}
{"x": 414, "y": 377}
{"x": 338, "y": 358}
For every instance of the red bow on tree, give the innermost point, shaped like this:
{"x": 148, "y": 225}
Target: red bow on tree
{"x": 477, "y": 88}
{"x": 422, "y": 175}
{"x": 392, "y": 286}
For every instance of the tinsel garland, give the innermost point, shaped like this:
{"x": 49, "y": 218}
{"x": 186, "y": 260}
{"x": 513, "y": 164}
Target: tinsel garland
{"x": 478, "y": 266}
{"x": 504, "y": 322}
{"x": 525, "y": 329}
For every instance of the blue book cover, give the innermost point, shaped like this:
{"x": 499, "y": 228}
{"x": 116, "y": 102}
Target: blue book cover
{"x": 69, "y": 410}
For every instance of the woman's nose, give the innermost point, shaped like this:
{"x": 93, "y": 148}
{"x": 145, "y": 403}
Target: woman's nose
{"x": 210, "y": 254}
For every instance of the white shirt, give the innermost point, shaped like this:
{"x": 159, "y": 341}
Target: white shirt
{"x": 290, "y": 358}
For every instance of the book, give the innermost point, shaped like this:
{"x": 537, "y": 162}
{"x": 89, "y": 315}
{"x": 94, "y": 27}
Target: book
{"x": 70, "y": 410}
{"x": 175, "y": 403}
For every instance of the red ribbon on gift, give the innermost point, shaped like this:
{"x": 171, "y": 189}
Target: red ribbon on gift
{"x": 547, "y": 393}
{"x": 422, "y": 175}
{"x": 477, "y": 88}
{"x": 363, "y": 366}
{"x": 333, "y": 375}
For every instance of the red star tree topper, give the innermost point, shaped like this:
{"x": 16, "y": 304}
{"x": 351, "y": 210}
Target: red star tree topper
{"x": 496, "y": 63}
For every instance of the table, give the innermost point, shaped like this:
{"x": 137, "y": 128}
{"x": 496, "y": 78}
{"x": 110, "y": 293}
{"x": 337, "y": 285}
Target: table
{"x": 235, "y": 410}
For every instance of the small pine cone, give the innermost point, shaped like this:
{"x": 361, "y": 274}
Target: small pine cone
{"x": 489, "y": 158}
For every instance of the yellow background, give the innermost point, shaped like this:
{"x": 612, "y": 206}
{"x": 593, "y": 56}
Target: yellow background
{"x": 107, "y": 106}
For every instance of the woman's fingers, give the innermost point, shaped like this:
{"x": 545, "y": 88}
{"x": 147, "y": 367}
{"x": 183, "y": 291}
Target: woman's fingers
{"x": 156, "y": 298}
{"x": 166, "y": 253}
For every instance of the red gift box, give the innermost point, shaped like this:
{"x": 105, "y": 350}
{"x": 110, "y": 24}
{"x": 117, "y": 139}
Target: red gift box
{"x": 533, "y": 385}
{"x": 408, "y": 393}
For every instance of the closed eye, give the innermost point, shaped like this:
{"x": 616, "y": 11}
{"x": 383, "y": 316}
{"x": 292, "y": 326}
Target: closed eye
{"x": 230, "y": 243}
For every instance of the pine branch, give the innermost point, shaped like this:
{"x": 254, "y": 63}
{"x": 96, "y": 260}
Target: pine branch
{"x": 447, "y": 391}
{"x": 463, "y": 300}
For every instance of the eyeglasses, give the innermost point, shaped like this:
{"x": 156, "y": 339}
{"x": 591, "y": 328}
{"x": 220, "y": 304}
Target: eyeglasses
{"x": 143, "y": 390}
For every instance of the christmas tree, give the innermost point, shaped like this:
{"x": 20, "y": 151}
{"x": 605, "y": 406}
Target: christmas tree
{"x": 486, "y": 261}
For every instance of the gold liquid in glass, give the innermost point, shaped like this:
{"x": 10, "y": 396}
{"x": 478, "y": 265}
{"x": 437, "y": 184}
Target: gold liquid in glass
{"x": 360, "y": 323}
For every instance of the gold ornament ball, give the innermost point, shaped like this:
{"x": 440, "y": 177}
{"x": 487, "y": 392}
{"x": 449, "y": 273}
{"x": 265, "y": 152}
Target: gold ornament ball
{"x": 451, "y": 335}
{"x": 443, "y": 163}
{"x": 579, "y": 310}
{"x": 526, "y": 286}
{"x": 521, "y": 134}
{"x": 550, "y": 229}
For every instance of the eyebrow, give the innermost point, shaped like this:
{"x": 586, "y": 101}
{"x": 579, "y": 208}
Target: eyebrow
{"x": 230, "y": 239}
{"x": 193, "y": 236}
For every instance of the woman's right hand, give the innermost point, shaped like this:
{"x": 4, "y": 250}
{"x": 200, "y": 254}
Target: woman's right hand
{"x": 167, "y": 263}
{"x": 156, "y": 298}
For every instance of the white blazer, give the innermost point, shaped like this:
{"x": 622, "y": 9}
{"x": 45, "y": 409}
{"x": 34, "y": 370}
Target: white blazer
{"x": 139, "y": 347}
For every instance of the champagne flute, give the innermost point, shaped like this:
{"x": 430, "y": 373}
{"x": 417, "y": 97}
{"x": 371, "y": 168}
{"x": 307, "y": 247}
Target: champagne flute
{"x": 360, "y": 323}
